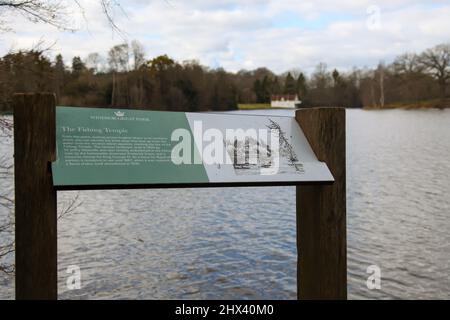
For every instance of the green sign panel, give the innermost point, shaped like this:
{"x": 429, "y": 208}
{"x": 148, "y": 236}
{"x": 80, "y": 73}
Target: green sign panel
{"x": 113, "y": 147}
{"x": 104, "y": 146}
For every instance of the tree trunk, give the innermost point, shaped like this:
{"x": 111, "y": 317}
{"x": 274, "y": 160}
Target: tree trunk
{"x": 381, "y": 87}
{"x": 113, "y": 91}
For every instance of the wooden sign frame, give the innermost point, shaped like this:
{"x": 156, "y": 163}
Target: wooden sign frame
{"x": 320, "y": 207}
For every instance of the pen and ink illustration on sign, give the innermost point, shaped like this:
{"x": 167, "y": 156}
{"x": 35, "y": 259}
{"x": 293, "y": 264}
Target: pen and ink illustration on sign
{"x": 243, "y": 150}
{"x": 256, "y": 148}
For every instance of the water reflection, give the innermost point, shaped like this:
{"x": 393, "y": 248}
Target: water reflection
{"x": 240, "y": 242}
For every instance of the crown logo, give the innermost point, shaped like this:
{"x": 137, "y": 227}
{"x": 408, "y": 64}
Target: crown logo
{"x": 119, "y": 114}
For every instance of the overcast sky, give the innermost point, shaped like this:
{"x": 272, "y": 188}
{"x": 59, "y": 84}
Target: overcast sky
{"x": 246, "y": 34}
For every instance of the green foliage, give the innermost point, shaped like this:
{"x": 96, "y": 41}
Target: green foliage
{"x": 265, "y": 88}
{"x": 335, "y": 76}
{"x": 290, "y": 86}
{"x": 301, "y": 85}
{"x": 160, "y": 64}
{"x": 77, "y": 65}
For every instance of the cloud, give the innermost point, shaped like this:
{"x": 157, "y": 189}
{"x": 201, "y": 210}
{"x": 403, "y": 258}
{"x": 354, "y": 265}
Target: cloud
{"x": 247, "y": 34}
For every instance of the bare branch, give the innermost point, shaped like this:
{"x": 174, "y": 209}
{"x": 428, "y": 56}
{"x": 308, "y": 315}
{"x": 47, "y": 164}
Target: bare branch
{"x": 7, "y": 246}
{"x": 49, "y": 12}
{"x": 56, "y": 13}
{"x": 108, "y": 8}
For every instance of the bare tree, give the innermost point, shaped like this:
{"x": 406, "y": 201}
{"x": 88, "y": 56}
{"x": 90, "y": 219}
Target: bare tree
{"x": 320, "y": 77}
{"x": 380, "y": 71}
{"x": 119, "y": 61}
{"x": 119, "y": 58}
{"x": 437, "y": 62}
{"x": 138, "y": 53}
{"x": 94, "y": 62}
{"x": 408, "y": 63}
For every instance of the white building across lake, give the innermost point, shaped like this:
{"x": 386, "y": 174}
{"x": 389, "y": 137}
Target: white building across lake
{"x": 290, "y": 101}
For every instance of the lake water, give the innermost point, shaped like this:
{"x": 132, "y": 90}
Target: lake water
{"x": 240, "y": 242}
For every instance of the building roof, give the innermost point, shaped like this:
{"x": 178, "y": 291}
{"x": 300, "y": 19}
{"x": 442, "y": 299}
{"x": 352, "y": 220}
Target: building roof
{"x": 284, "y": 97}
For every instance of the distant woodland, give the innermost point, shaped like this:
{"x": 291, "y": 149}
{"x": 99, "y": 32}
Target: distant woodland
{"x": 124, "y": 77}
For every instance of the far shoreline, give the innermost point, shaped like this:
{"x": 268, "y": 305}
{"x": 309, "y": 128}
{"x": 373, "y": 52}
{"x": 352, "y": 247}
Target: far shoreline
{"x": 419, "y": 105}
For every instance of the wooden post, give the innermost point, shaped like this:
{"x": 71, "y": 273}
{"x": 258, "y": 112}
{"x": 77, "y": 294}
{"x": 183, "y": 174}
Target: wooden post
{"x": 321, "y": 210}
{"x": 35, "y": 197}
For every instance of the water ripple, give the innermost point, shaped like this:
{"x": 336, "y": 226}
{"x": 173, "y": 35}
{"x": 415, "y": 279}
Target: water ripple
{"x": 240, "y": 242}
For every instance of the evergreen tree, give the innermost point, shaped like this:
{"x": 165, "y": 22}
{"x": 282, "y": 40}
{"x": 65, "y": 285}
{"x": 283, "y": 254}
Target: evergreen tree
{"x": 263, "y": 89}
{"x": 335, "y": 76}
{"x": 59, "y": 70}
{"x": 77, "y": 65}
{"x": 266, "y": 89}
{"x": 276, "y": 87}
{"x": 59, "y": 63}
{"x": 301, "y": 85}
{"x": 257, "y": 88}
{"x": 289, "y": 84}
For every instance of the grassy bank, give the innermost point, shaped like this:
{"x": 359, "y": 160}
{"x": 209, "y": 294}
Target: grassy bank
{"x": 426, "y": 104}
